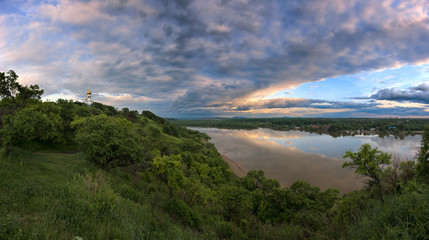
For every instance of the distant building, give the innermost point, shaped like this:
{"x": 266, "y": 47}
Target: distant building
{"x": 326, "y": 127}
{"x": 88, "y": 99}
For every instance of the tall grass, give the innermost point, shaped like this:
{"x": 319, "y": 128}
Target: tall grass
{"x": 61, "y": 196}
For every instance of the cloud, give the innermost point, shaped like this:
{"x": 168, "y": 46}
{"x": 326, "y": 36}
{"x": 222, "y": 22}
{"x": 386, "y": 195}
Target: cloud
{"x": 213, "y": 95}
{"x": 398, "y": 95}
{"x": 419, "y": 94}
{"x": 300, "y": 103}
{"x": 196, "y": 54}
{"x": 424, "y": 87}
{"x": 74, "y": 12}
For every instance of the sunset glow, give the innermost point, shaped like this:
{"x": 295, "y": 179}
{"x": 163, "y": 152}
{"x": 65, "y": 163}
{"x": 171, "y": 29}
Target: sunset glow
{"x": 216, "y": 58}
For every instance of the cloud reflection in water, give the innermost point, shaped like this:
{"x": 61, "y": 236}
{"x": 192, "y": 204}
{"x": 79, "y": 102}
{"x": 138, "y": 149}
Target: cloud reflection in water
{"x": 289, "y": 156}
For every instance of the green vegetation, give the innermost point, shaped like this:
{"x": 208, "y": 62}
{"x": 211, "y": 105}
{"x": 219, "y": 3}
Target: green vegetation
{"x": 368, "y": 162}
{"x": 72, "y": 171}
{"x": 108, "y": 142}
{"x": 423, "y": 157}
{"x": 333, "y": 126}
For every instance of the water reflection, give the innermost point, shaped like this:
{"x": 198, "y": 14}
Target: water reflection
{"x": 293, "y": 155}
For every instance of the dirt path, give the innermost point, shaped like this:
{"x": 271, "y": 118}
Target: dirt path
{"x": 236, "y": 169}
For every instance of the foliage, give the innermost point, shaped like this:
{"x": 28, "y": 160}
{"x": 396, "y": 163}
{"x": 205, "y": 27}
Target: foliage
{"x": 400, "y": 217}
{"x": 15, "y": 95}
{"x": 422, "y": 156}
{"x": 169, "y": 170}
{"x": 60, "y": 196}
{"x": 107, "y": 141}
{"x": 194, "y": 198}
{"x": 349, "y": 208}
{"x": 37, "y": 123}
{"x": 106, "y": 109}
{"x": 150, "y": 115}
{"x": 367, "y": 162}
{"x": 174, "y": 184}
{"x": 131, "y": 116}
{"x": 333, "y": 126}
{"x": 234, "y": 202}
{"x": 185, "y": 213}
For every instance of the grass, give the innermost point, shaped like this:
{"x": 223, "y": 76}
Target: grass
{"x": 61, "y": 196}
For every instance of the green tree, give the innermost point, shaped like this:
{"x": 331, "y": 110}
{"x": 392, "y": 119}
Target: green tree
{"x": 169, "y": 170}
{"x": 106, "y": 109}
{"x": 108, "y": 141}
{"x": 152, "y": 116}
{"x": 39, "y": 123}
{"x": 15, "y": 95}
{"x": 422, "y": 168}
{"x": 367, "y": 162}
{"x": 255, "y": 179}
{"x": 130, "y": 115}
{"x": 68, "y": 112}
{"x": 235, "y": 201}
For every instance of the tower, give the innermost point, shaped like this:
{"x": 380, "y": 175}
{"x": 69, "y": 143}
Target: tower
{"x": 88, "y": 99}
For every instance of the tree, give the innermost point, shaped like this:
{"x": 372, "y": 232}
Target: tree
{"x": 8, "y": 84}
{"x": 106, "y": 109}
{"x": 108, "y": 141}
{"x": 367, "y": 162}
{"x": 169, "y": 170}
{"x": 40, "y": 123}
{"x": 235, "y": 201}
{"x": 130, "y": 115}
{"x": 68, "y": 112}
{"x": 152, "y": 116}
{"x": 422, "y": 168}
{"x": 255, "y": 179}
{"x": 15, "y": 95}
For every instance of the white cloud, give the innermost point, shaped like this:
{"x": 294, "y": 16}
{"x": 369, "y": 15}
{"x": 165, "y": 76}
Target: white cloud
{"x": 75, "y": 12}
{"x": 127, "y": 97}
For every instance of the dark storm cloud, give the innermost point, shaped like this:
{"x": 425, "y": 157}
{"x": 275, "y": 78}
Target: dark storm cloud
{"x": 398, "y": 95}
{"x": 419, "y": 94}
{"x": 424, "y": 87}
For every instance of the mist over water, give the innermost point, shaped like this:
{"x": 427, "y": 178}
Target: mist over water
{"x": 289, "y": 156}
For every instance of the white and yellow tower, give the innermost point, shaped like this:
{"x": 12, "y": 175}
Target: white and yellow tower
{"x": 88, "y": 99}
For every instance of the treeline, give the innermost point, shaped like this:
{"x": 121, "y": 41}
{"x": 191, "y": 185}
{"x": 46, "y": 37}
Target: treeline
{"x": 333, "y": 126}
{"x": 138, "y": 176}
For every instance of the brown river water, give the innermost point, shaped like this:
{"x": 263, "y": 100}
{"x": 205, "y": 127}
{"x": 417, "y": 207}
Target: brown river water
{"x": 289, "y": 156}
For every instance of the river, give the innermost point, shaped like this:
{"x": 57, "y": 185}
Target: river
{"x": 289, "y": 156}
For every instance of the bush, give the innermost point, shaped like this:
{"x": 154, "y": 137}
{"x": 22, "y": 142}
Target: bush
{"x": 34, "y": 124}
{"x": 401, "y": 217}
{"x": 108, "y": 142}
{"x": 180, "y": 209}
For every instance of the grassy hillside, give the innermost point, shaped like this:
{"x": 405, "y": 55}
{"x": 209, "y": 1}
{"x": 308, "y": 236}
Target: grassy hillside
{"x": 57, "y": 195}
{"x": 72, "y": 171}
{"x": 60, "y": 196}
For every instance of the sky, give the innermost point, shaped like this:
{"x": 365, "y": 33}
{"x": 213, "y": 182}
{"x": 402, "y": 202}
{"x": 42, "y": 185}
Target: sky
{"x": 225, "y": 58}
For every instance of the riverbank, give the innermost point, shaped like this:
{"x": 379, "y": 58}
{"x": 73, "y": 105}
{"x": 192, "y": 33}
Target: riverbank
{"x": 235, "y": 167}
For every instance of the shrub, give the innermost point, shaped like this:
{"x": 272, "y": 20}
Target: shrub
{"x": 107, "y": 141}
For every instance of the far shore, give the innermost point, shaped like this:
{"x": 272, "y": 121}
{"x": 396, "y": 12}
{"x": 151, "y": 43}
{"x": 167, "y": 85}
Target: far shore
{"x": 235, "y": 167}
